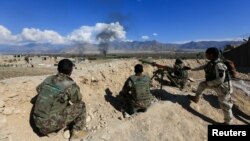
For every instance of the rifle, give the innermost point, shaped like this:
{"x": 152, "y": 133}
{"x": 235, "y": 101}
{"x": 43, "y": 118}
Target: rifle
{"x": 150, "y": 62}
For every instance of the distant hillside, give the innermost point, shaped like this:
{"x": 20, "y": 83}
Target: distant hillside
{"x": 153, "y": 46}
{"x": 206, "y": 44}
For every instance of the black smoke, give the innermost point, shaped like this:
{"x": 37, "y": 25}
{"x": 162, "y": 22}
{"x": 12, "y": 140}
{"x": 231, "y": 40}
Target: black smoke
{"x": 104, "y": 38}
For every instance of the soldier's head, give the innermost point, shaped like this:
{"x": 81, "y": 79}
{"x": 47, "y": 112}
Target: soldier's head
{"x": 138, "y": 69}
{"x": 178, "y": 61}
{"x": 65, "y": 66}
{"x": 212, "y": 53}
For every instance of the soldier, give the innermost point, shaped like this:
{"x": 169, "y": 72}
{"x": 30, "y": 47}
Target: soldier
{"x": 59, "y": 103}
{"x": 136, "y": 91}
{"x": 218, "y": 79}
{"x": 178, "y": 75}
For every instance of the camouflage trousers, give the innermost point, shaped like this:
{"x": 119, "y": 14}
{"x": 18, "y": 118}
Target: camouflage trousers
{"x": 224, "y": 97}
{"x": 134, "y": 106}
{"x": 74, "y": 115}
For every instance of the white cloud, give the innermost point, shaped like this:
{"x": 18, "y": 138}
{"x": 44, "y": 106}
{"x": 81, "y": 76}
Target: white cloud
{"x": 155, "y": 34}
{"x": 83, "y": 34}
{"x": 88, "y": 33}
{"x": 39, "y": 36}
{"x": 144, "y": 37}
{"x": 6, "y": 36}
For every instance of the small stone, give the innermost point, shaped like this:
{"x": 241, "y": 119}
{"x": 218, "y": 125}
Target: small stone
{"x": 8, "y": 110}
{"x": 17, "y": 111}
{"x": 66, "y": 134}
{"x": 2, "y": 103}
{"x": 106, "y": 137}
{"x": 127, "y": 115}
{"x": 88, "y": 119}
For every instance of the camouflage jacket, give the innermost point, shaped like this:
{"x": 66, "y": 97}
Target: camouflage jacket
{"x": 55, "y": 93}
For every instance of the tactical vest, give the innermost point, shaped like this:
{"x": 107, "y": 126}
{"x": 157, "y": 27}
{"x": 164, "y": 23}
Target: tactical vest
{"x": 52, "y": 98}
{"x": 140, "y": 87}
{"x": 210, "y": 72}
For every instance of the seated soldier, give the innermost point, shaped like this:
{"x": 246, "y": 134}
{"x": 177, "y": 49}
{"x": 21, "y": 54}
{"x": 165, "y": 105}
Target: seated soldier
{"x": 59, "y": 103}
{"x": 136, "y": 91}
{"x": 177, "y": 74}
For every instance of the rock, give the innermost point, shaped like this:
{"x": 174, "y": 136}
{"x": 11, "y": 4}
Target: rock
{"x": 17, "y": 111}
{"x": 11, "y": 95}
{"x": 66, "y": 134}
{"x": 2, "y": 103}
{"x": 101, "y": 117}
{"x": 106, "y": 137}
{"x": 93, "y": 79}
{"x": 194, "y": 90}
{"x": 88, "y": 119}
{"x": 15, "y": 99}
{"x": 120, "y": 118}
{"x": 8, "y": 110}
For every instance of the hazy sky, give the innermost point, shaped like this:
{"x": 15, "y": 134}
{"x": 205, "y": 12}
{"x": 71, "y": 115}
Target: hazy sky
{"x": 162, "y": 20}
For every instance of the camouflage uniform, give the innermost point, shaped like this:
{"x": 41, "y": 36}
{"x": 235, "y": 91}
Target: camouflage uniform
{"x": 136, "y": 93}
{"x": 218, "y": 79}
{"x": 58, "y": 105}
{"x": 177, "y": 75}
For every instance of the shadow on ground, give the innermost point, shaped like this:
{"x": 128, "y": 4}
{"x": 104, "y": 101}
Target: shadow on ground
{"x": 183, "y": 101}
{"x": 237, "y": 112}
{"x": 115, "y": 101}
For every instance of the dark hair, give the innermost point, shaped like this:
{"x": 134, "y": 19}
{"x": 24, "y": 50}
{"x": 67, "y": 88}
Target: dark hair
{"x": 214, "y": 51}
{"x": 178, "y": 61}
{"x": 65, "y": 66}
{"x": 138, "y": 68}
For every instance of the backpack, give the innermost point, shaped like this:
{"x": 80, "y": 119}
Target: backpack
{"x": 230, "y": 68}
{"x": 140, "y": 87}
{"x": 51, "y": 99}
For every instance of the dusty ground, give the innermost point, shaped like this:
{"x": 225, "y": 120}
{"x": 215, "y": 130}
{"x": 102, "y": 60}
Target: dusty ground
{"x": 172, "y": 117}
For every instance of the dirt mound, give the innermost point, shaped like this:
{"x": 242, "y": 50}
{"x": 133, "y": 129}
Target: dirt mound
{"x": 171, "y": 117}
